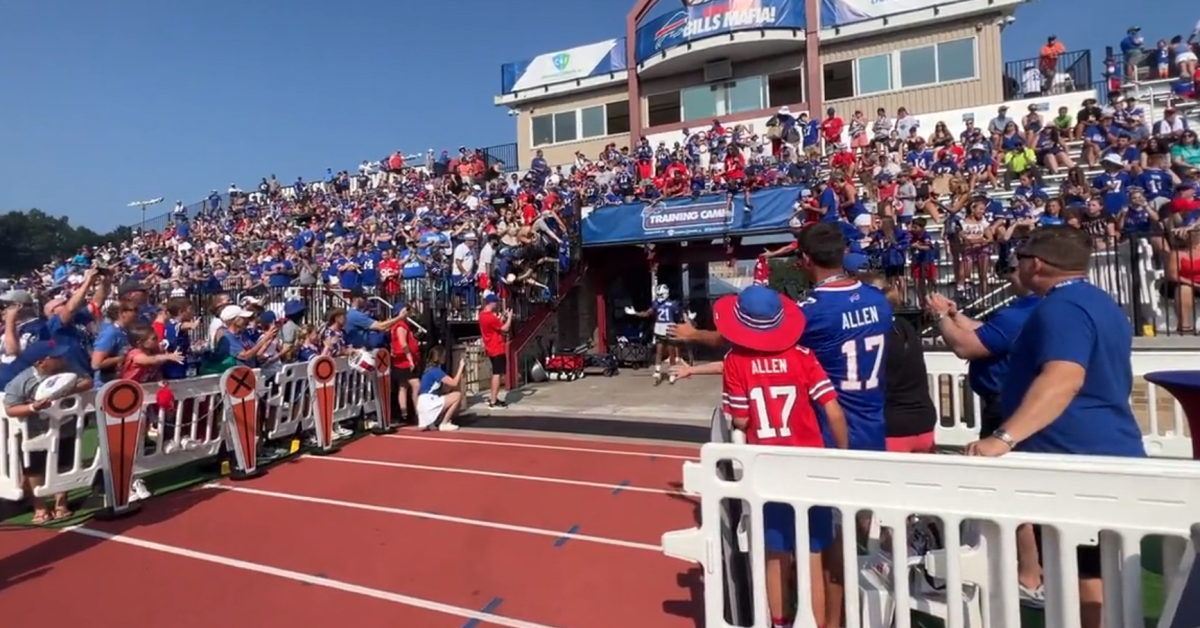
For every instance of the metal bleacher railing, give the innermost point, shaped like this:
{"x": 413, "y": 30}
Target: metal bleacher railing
{"x": 1072, "y": 73}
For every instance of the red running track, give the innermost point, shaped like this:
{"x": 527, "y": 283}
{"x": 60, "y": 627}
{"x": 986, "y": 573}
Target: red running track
{"x": 379, "y": 536}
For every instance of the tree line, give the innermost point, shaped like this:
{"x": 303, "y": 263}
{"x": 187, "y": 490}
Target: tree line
{"x": 30, "y": 239}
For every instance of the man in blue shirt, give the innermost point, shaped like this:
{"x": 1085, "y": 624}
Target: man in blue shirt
{"x": 67, "y": 319}
{"x": 985, "y": 345}
{"x": 362, "y": 331}
{"x": 1070, "y": 375}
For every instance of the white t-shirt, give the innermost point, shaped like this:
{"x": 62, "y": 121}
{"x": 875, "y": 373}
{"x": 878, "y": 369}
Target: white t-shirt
{"x": 466, "y": 255}
{"x": 213, "y": 327}
{"x": 486, "y": 255}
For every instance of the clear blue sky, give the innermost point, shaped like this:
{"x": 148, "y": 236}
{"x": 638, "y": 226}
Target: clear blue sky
{"x": 102, "y": 103}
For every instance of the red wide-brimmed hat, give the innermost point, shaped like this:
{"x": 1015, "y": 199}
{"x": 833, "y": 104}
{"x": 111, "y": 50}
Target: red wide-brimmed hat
{"x": 759, "y": 319}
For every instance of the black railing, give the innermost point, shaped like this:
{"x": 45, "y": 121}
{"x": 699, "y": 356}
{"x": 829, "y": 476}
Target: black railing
{"x": 505, "y": 153}
{"x": 1072, "y": 73}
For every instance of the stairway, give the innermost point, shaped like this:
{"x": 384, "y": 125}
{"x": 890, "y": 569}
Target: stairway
{"x": 536, "y": 318}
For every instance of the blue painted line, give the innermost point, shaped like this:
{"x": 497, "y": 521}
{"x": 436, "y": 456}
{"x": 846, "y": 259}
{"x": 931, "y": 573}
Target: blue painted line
{"x": 562, "y": 540}
{"x": 489, "y": 609}
{"x": 620, "y": 487}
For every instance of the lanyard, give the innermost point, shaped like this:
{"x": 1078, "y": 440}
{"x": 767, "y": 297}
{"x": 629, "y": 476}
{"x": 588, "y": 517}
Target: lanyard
{"x": 828, "y": 280}
{"x": 1065, "y": 283}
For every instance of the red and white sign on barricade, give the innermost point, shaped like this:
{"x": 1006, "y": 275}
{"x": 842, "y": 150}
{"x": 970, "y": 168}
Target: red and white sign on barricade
{"x": 120, "y": 438}
{"x": 383, "y": 393}
{"x": 322, "y": 371}
{"x": 239, "y": 386}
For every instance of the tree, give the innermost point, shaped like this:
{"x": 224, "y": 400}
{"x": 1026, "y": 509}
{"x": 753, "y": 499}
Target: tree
{"x": 786, "y": 278}
{"x": 30, "y": 239}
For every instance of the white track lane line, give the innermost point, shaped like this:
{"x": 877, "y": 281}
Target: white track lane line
{"x": 495, "y": 474}
{"x": 582, "y": 450}
{"x": 555, "y": 534}
{"x": 295, "y": 576}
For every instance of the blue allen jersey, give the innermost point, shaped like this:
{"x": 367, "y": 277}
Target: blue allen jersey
{"x": 848, "y": 326}
{"x": 666, "y": 313}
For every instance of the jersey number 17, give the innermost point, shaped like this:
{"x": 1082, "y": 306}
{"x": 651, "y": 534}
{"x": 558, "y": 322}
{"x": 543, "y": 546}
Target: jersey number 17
{"x": 871, "y": 350}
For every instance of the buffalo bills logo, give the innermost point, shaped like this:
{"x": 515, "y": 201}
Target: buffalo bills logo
{"x": 671, "y": 29}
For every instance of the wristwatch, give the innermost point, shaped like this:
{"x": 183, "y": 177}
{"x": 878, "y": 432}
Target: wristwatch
{"x": 1005, "y": 438}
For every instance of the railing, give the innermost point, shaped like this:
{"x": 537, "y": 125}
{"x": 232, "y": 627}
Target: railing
{"x": 1144, "y": 514}
{"x": 1072, "y": 73}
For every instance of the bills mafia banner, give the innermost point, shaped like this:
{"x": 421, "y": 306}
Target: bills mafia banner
{"x": 705, "y": 18}
{"x": 707, "y": 216}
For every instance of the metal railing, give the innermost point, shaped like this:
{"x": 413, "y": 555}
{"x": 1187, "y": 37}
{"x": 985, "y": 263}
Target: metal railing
{"x": 1072, "y": 73}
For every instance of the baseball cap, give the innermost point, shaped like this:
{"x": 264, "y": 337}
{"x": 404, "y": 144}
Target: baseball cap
{"x": 491, "y": 297}
{"x": 43, "y": 349}
{"x": 130, "y": 286}
{"x": 294, "y": 307}
{"x": 231, "y": 312}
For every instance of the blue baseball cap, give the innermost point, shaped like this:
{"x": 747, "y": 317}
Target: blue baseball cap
{"x": 491, "y": 297}
{"x": 294, "y": 307}
{"x": 267, "y": 318}
{"x": 43, "y": 349}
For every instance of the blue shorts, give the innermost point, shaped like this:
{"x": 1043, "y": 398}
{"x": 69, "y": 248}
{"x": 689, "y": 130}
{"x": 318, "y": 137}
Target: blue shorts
{"x": 779, "y": 528}
{"x": 868, "y": 442}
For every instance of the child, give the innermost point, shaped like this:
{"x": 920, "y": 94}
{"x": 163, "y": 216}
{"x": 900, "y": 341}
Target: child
{"x": 144, "y": 361}
{"x": 39, "y": 361}
{"x": 769, "y": 387}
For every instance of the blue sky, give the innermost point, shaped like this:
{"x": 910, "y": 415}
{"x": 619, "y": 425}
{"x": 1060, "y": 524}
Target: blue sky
{"x": 102, "y": 103}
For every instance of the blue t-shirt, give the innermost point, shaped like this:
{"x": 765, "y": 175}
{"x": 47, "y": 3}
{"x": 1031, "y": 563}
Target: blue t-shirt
{"x": 358, "y": 326}
{"x": 431, "y": 381}
{"x": 847, "y": 329}
{"x": 987, "y": 375}
{"x": 1080, "y": 323}
{"x": 229, "y": 345}
{"x": 112, "y": 341}
{"x": 69, "y": 333}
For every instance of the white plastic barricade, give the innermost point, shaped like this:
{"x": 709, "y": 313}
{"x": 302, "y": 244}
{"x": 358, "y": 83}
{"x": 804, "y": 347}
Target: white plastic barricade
{"x": 288, "y": 404}
{"x": 1076, "y": 499}
{"x": 194, "y": 429}
{"x": 959, "y": 409}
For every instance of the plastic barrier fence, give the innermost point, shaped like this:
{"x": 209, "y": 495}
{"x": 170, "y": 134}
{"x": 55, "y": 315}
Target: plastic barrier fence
{"x": 1163, "y": 423}
{"x": 970, "y": 580}
{"x": 121, "y": 430}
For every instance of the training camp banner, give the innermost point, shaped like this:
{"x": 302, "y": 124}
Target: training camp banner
{"x": 568, "y": 65}
{"x": 706, "y": 216}
{"x": 706, "y": 18}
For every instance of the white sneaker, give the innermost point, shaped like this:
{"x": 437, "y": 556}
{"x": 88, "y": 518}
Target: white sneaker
{"x": 1032, "y": 598}
{"x": 671, "y": 379}
{"x": 341, "y": 432}
{"x": 447, "y": 427}
{"x": 138, "y": 490}
{"x": 189, "y": 444}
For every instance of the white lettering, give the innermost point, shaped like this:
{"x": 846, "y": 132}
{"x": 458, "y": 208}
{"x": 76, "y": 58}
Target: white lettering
{"x": 730, "y": 20}
{"x": 860, "y": 318}
{"x": 676, "y": 217}
{"x": 767, "y": 366}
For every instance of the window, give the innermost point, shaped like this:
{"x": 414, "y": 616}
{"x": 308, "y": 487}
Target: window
{"x": 875, "y": 74}
{"x": 664, "y": 109}
{"x": 744, "y": 95}
{"x": 700, "y": 102}
{"x": 543, "y": 130}
{"x": 591, "y": 121}
{"x": 617, "y": 117}
{"x": 581, "y": 124}
{"x": 956, "y": 60}
{"x": 564, "y": 127}
{"x": 785, "y": 89}
{"x": 904, "y": 69}
{"x": 839, "y": 79}
{"x": 918, "y": 66}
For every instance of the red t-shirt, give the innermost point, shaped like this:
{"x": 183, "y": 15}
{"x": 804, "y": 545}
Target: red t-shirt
{"x": 776, "y": 392}
{"x": 831, "y": 128}
{"x": 762, "y": 271}
{"x": 398, "y": 357}
{"x": 490, "y": 326}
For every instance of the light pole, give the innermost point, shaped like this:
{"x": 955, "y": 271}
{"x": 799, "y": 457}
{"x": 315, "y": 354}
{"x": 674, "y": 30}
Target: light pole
{"x": 143, "y": 205}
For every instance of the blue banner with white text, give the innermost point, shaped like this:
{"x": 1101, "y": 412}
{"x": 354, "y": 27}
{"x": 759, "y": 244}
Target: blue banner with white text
{"x": 707, "y": 216}
{"x": 705, "y": 18}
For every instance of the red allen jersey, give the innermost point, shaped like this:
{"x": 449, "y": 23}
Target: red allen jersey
{"x": 775, "y": 393}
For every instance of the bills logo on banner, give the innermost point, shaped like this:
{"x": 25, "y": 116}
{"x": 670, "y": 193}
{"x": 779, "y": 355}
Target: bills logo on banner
{"x": 240, "y": 386}
{"x": 120, "y": 439}
{"x": 703, "y": 216}
{"x": 704, "y": 18}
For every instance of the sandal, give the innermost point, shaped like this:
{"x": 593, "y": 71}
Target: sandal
{"x": 62, "y": 513}
{"x": 43, "y": 518}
